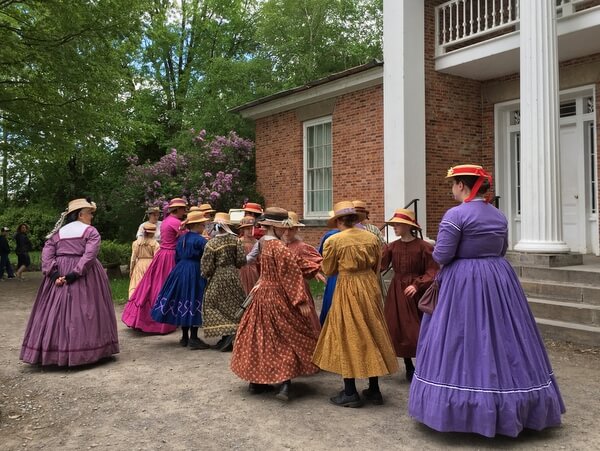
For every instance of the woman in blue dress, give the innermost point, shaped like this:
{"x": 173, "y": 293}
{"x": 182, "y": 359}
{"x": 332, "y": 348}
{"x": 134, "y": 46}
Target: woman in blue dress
{"x": 481, "y": 362}
{"x": 179, "y": 302}
{"x": 331, "y": 281}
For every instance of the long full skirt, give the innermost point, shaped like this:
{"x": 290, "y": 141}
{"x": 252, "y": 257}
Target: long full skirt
{"x": 481, "y": 363}
{"x": 274, "y": 341}
{"x": 402, "y": 318}
{"x": 222, "y": 300}
{"x": 180, "y": 301}
{"x": 137, "y": 274}
{"x": 73, "y": 324}
{"x": 137, "y": 311}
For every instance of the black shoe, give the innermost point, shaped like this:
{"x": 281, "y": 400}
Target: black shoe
{"x": 219, "y": 343}
{"x": 343, "y": 400}
{"x": 227, "y": 345}
{"x": 196, "y": 343}
{"x": 184, "y": 341}
{"x": 284, "y": 391}
{"x": 257, "y": 389}
{"x": 373, "y": 397}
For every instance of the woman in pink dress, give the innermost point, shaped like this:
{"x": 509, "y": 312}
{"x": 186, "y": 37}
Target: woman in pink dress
{"x": 137, "y": 311}
{"x": 73, "y": 319}
{"x": 249, "y": 273}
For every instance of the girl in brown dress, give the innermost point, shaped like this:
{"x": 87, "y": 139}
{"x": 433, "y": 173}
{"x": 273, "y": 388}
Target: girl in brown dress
{"x": 249, "y": 272}
{"x": 142, "y": 253}
{"x": 414, "y": 270}
{"x": 276, "y": 338}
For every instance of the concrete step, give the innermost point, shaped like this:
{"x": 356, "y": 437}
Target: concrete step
{"x": 572, "y": 292}
{"x": 543, "y": 260}
{"x": 560, "y": 275}
{"x": 565, "y": 331}
{"x": 575, "y": 313}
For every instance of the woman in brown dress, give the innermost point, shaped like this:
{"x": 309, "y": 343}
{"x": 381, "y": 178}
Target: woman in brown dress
{"x": 355, "y": 342}
{"x": 248, "y": 273}
{"x": 414, "y": 270}
{"x": 276, "y": 337}
{"x": 223, "y": 256}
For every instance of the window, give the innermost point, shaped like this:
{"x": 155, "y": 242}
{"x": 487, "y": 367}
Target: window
{"x": 318, "y": 183}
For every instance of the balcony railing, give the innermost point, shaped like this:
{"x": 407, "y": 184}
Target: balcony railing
{"x": 459, "y": 23}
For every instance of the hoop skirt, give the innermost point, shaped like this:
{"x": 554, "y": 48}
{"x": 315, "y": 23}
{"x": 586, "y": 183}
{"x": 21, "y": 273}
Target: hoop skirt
{"x": 481, "y": 362}
{"x": 180, "y": 300}
{"x": 72, "y": 324}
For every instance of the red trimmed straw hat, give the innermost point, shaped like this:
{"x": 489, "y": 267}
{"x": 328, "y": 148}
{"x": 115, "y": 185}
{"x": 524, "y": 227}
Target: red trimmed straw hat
{"x": 404, "y": 216}
{"x": 361, "y": 209}
{"x": 196, "y": 217}
{"x": 470, "y": 169}
{"x": 247, "y": 221}
{"x": 177, "y": 202}
{"x": 343, "y": 208}
{"x": 253, "y": 207}
{"x": 293, "y": 216}
{"x": 275, "y": 217}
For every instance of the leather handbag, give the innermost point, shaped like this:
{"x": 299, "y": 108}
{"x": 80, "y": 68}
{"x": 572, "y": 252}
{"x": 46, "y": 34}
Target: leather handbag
{"x": 429, "y": 299}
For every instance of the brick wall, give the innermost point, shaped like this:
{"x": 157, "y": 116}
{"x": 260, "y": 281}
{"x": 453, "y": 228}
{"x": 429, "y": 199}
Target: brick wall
{"x": 357, "y": 133}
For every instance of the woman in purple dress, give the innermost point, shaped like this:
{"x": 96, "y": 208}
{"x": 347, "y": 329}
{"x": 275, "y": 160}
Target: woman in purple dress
{"x": 73, "y": 319}
{"x": 481, "y": 362}
{"x": 137, "y": 311}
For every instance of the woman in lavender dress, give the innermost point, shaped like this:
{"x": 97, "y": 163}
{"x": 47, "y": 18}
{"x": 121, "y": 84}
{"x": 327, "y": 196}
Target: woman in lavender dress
{"x": 481, "y": 363}
{"x": 73, "y": 320}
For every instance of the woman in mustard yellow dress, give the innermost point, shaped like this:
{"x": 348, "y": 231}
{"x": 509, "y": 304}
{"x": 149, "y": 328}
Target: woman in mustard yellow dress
{"x": 355, "y": 341}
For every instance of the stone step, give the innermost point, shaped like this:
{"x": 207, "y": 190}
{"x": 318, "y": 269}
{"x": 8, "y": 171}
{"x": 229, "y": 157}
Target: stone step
{"x": 543, "y": 260}
{"x": 576, "y": 313}
{"x": 575, "y": 276}
{"x": 574, "y": 333}
{"x": 583, "y": 293}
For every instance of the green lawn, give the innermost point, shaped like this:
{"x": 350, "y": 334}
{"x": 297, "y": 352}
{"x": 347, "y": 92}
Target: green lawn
{"x": 120, "y": 290}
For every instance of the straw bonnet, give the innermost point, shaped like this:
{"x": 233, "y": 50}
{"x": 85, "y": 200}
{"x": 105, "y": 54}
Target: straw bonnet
{"x": 221, "y": 218}
{"x": 294, "y": 219}
{"x": 149, "y": 227}
{"x": 78, "y": 204}
{"x": 151, "y": 210}
{"x": 247, "y": 221}
{"x": 343, "y": 208}
{"x": 275, "y": 217}
{"x": 195, "y": 217}
{"x": 194, "y": 208}
{"x": 206, "y": 208}
{"x": 177, "y": 202}
{"x": 466, "y": 169}
{"x": 404, "y": 216}
{"x": 253, "y": 207}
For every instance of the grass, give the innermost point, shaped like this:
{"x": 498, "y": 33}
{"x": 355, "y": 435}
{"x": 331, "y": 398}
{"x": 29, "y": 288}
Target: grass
{"x": 120, "y": 290}
{"x": 316, "y": 288}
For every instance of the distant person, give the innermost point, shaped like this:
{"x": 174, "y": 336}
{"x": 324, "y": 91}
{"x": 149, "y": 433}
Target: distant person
{"x": 153, "y": 215}
{"x": 73, "y": 320}
{"x": 254, "y": 210}
{"x": 4, "y": 255}
{"x": 22, "y": 250}
{"x": 142, "y": 253}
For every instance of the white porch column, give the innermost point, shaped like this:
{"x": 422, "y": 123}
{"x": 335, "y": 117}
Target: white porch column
{"x": 404, "y": 106}
{"x": 541, "y": 215}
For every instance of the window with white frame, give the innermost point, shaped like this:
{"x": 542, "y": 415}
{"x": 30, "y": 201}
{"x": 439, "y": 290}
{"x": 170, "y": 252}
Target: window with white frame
{"x": 318, "y": 183}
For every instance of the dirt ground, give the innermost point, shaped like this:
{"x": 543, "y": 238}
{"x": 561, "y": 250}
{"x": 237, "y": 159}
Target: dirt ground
{"x": 157, "y": 395}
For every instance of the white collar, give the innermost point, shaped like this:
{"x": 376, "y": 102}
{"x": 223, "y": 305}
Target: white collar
{"x": 75, "y": 229}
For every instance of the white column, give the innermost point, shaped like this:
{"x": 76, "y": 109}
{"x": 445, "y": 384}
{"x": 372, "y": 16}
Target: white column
{"x": 541, "y": 215}
{"x": 404, "y": 106}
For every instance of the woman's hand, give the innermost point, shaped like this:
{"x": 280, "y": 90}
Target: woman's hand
{"x": 410, "y": 291}
{"x": 304, "y": 309}
{"x": 60, "y": 281}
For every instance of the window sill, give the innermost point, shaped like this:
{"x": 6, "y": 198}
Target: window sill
{"x": 315, "y": 222}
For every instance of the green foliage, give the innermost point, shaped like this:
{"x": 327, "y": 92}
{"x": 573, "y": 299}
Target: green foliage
{"x": 120, "y": 290}
{"x": 113, "y": 253}
{"x": 39, "y": 217}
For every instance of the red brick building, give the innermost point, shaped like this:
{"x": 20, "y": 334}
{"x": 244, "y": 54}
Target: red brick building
{"x": 511, "y": 85}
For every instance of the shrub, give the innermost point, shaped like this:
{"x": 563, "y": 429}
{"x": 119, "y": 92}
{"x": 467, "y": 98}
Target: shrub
{"x": 39, "y": 217}
{"x": 113, "y": 253}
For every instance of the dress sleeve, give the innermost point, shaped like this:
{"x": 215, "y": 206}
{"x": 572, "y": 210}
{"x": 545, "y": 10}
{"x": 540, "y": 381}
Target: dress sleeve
{"x": 240, "y": 256}
{"x": 448, "y": 238}
{"x": 431, "y": 268}
{"x": 92, "y": 246}
{"x": 290, "y": 276}
{"x": 49, "y": 264}
{"x": 140, "y": 231}
{"x": 253, "y": 254}
{"x": 309, "y": 261}
{"x": 330, "y": 263}
{"x": 207, "y": 262}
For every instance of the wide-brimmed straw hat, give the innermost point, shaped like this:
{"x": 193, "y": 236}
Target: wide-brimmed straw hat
{"x": 361, "y": 209}
{"x": 247, "y": 221}
{"x": 221, "y": 218}
{"x": 466, "y": 169}
{"x": 151, "y": 210}
{"x": 404, "y": 216}
{"x": 253, "y": 207}
{"x": 149, "y": 227}
{"x": 275, "y": 217}
{"x": 293, "y": 216}
{"x": 177, "y": 202}
{"x": 196, "y": 217}
{"x": 343, "y": 208}
{"x": 206, "y": 208}
{"x": 78, "y": 204}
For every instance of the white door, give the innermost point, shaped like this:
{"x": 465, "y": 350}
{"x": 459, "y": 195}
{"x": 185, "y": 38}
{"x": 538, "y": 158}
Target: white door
{"x": 573, "y": 186}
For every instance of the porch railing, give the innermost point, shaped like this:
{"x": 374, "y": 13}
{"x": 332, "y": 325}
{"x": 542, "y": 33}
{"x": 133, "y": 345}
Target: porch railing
{"x": 460, "y": 23}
